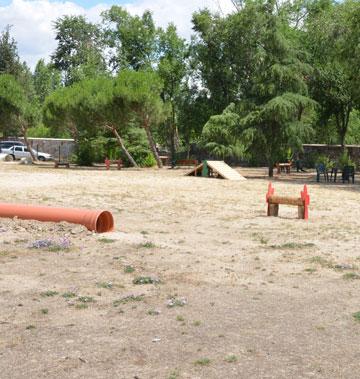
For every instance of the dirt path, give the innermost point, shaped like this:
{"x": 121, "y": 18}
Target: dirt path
{"x": 235, "y": 294}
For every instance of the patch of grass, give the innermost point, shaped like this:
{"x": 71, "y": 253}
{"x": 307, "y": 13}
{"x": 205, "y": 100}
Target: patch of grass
{"x": 259, "y": 237}
{"x": 356, "y": 316}
{"x": 310, "y": 270}
{"x": 202, "y": 362}
{"x": 293, "y": 245}
{"x": 129, "y": 269}
{"x": 197, "y": 323}
{"x": 106, "y": 240}
{"x": 144, "y": 232}
{"x": 44, "y": 311}
{"x": 180, "y": 318}
{"x": 55, "y": 249}
{"x": 153, "y": 312}
{"x": 107, "y": 285}
{"x": 49, "y": 293}
{"x": 174, "y": 375}
{"x": 231, "y": 358}
{"x": 351, "y": 276}
{"x": 147, "y": 245}
{"x": 321, "y": 261}
{"x": 85, "y": 299}
{"x": 81, "y": 306}
{"x": 128, "y": 299}
{"x": 68, "y": 295}
{"x": 176, "y": 302}
{"x": 19, "y": 240}
{"x": 146, "y": 280}
{"x": 29, "y": 327}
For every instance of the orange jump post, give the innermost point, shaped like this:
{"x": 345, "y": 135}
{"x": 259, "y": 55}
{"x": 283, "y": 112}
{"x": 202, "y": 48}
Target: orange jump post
{"x": 118, "y": 162}
{"x": 301, "y": 202}
{"x": 94, "y": 220}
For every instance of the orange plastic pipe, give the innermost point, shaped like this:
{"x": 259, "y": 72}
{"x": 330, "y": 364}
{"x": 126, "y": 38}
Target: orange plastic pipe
{"x": 94, "y": 220}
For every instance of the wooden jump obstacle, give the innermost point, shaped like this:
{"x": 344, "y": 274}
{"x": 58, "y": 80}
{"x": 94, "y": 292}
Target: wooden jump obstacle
{"x": 301, "y": 202}
{"x": 118, "y": 162}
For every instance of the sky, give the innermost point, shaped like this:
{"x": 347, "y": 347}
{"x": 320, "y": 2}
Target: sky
{"x": 32, "y": 20}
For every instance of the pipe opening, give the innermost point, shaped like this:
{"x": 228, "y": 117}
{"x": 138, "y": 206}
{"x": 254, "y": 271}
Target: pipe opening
{"x": 104, "y": 222}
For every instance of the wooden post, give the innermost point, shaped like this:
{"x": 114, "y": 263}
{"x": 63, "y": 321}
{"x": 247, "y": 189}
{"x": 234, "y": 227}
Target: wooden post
{"x": 107, "y": 163}
{"x": 270, "y": 192}
{"x": 273, "y": 210}
{"x": 306, "y": 199}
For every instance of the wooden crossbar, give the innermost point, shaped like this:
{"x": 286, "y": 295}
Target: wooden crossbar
{"x": 286, "y": 200}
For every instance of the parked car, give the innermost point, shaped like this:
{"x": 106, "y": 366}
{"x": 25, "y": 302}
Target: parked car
{"x": 18, "y": 152}
{"x": 8, "y": 144}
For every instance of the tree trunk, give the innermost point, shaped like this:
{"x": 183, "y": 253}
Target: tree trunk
{"x": 27, "y": 143}
{"x": 342, "y": 123}
{"x": 174, "y": 136}
{"x": 146, "y": 126}
{"x": 271, "y": 170}
{"x": 121, "y": 143}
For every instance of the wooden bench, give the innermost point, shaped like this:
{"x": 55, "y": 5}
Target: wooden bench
{"x": 186, "y": 162}
{"x": 118, "y": 162}
{"x": 61, "y": 163}
{"x": 301, "y": 202}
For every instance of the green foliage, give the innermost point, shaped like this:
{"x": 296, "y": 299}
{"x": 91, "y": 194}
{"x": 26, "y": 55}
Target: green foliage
{"x": 46, "y": 79}
{"x": 219, "y": 136}
{"x": 89, "y": 151}
{"x": 16, "y": 111}
{"x": 133, "y": 39}
{"x": 9, "y": 58}
{"x": 39, "y": 131}
{"x": 345, "y": 160}
{"x": 325, "y": 160}
{"x": 79, "y": 51}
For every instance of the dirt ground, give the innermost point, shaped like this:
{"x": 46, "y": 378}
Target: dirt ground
{"x": 232, "y": 293}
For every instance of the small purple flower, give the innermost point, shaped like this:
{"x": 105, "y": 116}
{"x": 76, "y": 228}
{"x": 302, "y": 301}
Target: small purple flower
{"x": 62, "y": 244}
{"x": 40, "y": 244}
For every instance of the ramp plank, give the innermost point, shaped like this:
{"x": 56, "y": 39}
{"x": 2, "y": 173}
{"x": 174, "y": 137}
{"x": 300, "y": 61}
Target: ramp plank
{"x": 220, "y": 168}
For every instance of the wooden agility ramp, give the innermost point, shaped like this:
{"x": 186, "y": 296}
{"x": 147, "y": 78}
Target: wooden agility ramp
{"x": 215, "y": 169}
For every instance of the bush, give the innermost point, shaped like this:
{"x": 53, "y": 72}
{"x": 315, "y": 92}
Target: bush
{"x": 149, "y": 161}
{"x": 90, "y": 151}
{"x": 142, "y": 156}
{"x": 345, "y": 160}
{"x": 325, "y": 160}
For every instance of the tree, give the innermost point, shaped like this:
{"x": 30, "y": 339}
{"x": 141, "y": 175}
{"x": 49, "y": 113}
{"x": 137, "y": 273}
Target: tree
{"x": 110, "y": 104}
{"x": 264, "y": 75}
{"x": 9, "y": 58}
{"x": 219, "y": 134}
{"x": 142, "y": 90}
{"x": 79, "y": 51}
{"x": 332, "y": 39}
{"x": 15, "y": 108}
{"x": 132, "y": 39}
{"x": 46, "y": 79}
{"x": 212, "y": 60}
{"x": 172, "y": 69}
{"x": 86, "y": 108}
{"x": 194, "y": 112}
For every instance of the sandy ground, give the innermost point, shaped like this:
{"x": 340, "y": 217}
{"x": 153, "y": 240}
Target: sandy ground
{"x": 235, "y": 294}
